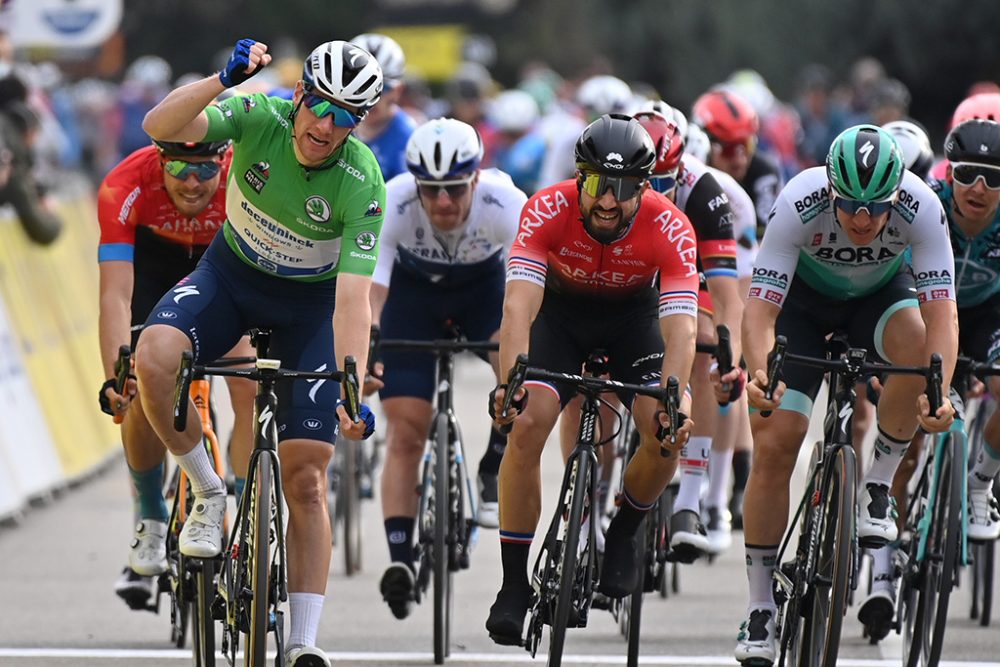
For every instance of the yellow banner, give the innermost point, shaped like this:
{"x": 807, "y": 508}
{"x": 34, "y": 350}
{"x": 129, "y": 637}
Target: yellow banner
{"x": 433, "y": 51}
{"x": 51, "y": 295}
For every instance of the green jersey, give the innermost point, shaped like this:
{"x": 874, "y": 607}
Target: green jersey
{"x": 288, "y": 220}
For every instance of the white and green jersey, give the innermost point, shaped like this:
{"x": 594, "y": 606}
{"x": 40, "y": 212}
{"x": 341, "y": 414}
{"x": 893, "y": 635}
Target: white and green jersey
{"x": 804, "y": 239}
{"x": 292, "y": 221}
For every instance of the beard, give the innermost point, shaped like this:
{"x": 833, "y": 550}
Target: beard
{"x": 604, "y": 235}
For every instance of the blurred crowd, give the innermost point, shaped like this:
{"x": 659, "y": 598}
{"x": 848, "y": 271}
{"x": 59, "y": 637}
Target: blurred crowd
{"x": 50, "y": 124}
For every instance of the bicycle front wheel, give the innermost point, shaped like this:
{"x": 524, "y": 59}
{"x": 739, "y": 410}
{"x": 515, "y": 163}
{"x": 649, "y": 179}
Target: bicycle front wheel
{"x": 567, "y": 575}
{"x": 442, "y": 573}
{"x": 260, "y": 562}
{"x": 945, "y": 541}
{"x": 634, "y": 601}
{"x": 830, "y": 580}
{"x": 350, "y": 497}
{"x": 202, "y": 623}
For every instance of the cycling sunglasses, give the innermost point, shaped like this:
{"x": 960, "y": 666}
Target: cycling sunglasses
{"x": 454, "y": 189}
{"x": 622, "y": 187}
{"x": 874, "y": 208}
{"x": 181, "y": 169}
{"x": 322, "y": 107}
{"x": 734, "y": 149}
{"x": 664, "y": 184}
{"x": 967, "y": 173}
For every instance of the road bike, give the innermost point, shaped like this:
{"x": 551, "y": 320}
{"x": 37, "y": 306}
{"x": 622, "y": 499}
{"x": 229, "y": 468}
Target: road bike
{"x": 811, "y": 589}
{"x": 447, "y": 512}
{"x": 566, "y": 569}
{"x": 252, "y": 574}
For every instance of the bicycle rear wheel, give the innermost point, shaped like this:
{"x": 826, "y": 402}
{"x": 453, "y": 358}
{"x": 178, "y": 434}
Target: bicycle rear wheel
{"x": 948, "y": 535}
{"x": 202, "y": 623}
{"x": 442, "y": 573}
{"x": 830, "y": 580}
{"x": 260, "y": 562}
{"x": 579, "y": 491}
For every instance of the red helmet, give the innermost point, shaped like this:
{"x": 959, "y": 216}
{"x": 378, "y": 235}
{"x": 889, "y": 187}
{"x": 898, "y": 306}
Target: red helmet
{"x": 726, "y": 117}
{"x": 983, "y": 106}
{"x": 666, "y": 138}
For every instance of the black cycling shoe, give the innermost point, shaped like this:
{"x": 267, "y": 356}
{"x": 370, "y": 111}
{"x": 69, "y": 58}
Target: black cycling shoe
{"x": 619, "y": 571}
{"x": 506, "y": 618}
{"x": 688, "y": 537}
{"x": 397, "y": 589}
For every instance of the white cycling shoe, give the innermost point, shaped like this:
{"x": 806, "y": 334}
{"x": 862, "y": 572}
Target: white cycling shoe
{"x": 147, "y": 554}
{"x": 306, "y": 656}
{"x": 756, "y": 644}
{"x": 876, "y": 515}
{"x": 984, "y": 520}
{"x": 202, "y": 536}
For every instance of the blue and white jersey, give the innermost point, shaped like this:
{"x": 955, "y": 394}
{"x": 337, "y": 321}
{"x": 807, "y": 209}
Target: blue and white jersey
{"x": 389, "y": 146}
{"x": 411, "y": 244}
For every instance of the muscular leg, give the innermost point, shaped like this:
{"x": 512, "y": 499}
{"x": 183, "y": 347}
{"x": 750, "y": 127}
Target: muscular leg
{"x": 241, "y": 395}
{"x": 408, "y": 422}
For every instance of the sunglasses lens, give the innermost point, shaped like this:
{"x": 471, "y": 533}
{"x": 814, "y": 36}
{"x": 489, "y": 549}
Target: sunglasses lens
{"x": 433, "y": 190}
{"x": 181, "y": 169}
{"x": 622, "y": 187}
{"x": 323, "y": 107}
{"x": 874, "y": 208}
{"x": 968, "y": 174}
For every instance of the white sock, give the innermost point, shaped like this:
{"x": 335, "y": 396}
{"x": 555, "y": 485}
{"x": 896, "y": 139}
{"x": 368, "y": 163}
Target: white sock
{"x": 720, "y": 469}
{"x": 200, "y": 470}
{"x": 882, "y": 568}
{"x": 986, "y": 468}
{"x": 694, "y": 466}
{"x": 761, "y": 561}
{"x": 886, "y": 455}
{"x": 305, "y": 610}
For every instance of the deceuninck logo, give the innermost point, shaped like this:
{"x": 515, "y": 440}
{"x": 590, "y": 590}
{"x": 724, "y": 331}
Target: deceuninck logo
{"x": 366, "y": 240}
{"x": 318, "y": 209}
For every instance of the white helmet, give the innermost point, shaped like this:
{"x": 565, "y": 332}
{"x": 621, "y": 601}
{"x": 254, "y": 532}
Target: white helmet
{"x": 387, "y": 52}
{"x": 604, "y": 94}
{"x": 150, "y": 71}
{"x": 697, "y": 143}
{"x": 444, "y": 149}
{"x": 513, "y": 111}
{"x": 345, "y": 73}
{"x": 917, "y": 154}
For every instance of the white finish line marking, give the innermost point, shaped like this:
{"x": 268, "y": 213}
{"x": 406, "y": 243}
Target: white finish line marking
{"x": 426, "y": 658}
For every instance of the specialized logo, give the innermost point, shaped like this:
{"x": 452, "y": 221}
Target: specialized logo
{"x": 373, "y": 209}
{"x": 866, "y": 151}
{"x": 186, "y": 290}
{"x": 366, "y": 240}
{"x": 316, "y": 384}
{"x": 166, "y": 315}
{"x": 318, "y": 209}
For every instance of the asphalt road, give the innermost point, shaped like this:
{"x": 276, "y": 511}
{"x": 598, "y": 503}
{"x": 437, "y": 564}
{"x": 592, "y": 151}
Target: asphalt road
{"x": 57, "y": 606}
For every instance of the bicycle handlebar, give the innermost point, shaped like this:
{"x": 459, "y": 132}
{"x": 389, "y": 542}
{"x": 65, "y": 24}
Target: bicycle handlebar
{"x": 668, "y": 396}
{"x": 776, "y": 359}
{"x": 442, "y": 345}
{"x": 264, "y": 369}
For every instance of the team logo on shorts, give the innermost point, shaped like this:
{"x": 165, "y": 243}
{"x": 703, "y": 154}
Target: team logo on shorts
{"x": 166, "y": 315}
{"x": 366, "y": 240}
{"x": 313, "y": 424}
{"x": 318, "y": 209}
{"x": 373, "y": 209}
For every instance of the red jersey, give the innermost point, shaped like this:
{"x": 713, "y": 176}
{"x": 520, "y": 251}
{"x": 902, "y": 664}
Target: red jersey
{"x": 552, "y": 249}
{"x": 133, "y": 195}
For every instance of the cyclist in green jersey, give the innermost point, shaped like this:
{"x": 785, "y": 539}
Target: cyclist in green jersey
{"x": 297, "y": 251}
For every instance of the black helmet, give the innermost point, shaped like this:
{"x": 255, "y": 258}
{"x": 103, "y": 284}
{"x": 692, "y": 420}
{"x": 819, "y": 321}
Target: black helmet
{"x": 192, "y": 148}
{"x": 616, "y": 145}
{"x": 976, "y": 141}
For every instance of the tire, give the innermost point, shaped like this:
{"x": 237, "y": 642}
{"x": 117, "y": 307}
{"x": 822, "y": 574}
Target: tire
{"x": 442, "y": 573}
{"x": 985, "y": 565}
{"x": 567, "y": 571}
{"x": 202, "y": 623}
{"x": 350, "y": 499}
{"x": 834, "y": 560}
{"x": 948, "y": 538}
{"x": 634, "y": 601}
{"x": 259, "y": 565}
